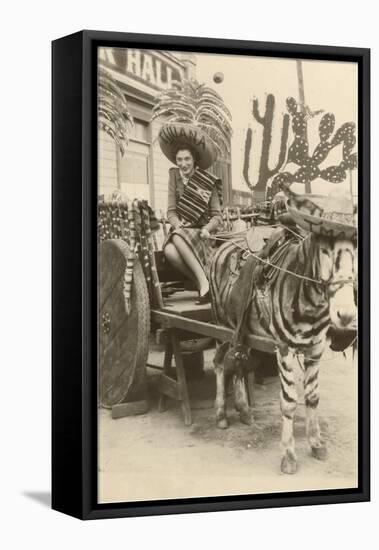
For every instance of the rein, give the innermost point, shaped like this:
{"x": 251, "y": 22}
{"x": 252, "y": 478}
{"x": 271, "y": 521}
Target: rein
{"x": 324, "y": 284}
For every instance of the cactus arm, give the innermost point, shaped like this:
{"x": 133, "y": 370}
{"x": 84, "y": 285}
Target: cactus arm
{"x": 257, "y": 116}
{"x": 246, "y": 161}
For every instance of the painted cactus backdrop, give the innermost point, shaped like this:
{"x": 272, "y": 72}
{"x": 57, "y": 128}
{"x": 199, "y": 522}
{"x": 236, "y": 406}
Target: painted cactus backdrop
{"x": 266, "y": 121}
{"x": 308, "y": 165}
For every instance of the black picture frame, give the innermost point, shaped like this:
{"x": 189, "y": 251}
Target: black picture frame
{"x": 74, "y": 269}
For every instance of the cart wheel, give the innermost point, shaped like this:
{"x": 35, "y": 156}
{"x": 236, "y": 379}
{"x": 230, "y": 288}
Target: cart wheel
{"x": 123, "y": 337}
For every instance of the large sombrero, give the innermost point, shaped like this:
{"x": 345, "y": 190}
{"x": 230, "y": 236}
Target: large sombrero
{"x": 174, "y": 136}
{"x": 332, "y": 216}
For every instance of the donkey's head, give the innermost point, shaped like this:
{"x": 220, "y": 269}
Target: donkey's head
{"x": 338, "y": 270}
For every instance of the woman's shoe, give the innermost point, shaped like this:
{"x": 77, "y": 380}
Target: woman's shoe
{"x": 203, "y": 299}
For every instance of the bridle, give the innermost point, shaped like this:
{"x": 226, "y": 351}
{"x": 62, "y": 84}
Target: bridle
{"x": 332, "y": 286}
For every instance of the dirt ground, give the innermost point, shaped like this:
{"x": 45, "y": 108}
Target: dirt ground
{"x": 155, "y": 456}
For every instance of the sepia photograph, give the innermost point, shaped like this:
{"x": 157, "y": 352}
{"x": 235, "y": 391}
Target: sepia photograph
{"x": 227, "y": 276}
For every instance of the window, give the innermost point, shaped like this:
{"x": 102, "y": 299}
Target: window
{"x": 133, "y": 167}
{"x": 140, "y": 131}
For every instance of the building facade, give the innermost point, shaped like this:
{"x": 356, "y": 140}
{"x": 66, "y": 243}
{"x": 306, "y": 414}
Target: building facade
{"x": 142, "y": 172}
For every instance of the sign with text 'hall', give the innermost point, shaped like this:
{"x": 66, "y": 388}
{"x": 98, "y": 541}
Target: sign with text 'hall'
{"x": 154, "y": 70}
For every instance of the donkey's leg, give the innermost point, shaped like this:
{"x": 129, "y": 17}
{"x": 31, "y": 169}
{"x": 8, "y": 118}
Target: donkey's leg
{"x": 241, "y": 400}
{"x": 288, "y": 403}
{"x": 220, "y": 404}
{"x": 311, "y": 398}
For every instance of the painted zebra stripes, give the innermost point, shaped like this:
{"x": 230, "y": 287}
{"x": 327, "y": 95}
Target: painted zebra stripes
{"x": 295, "y": 312}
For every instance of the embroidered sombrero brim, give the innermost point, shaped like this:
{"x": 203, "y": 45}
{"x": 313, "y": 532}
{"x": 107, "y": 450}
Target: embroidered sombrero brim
{"x": 316, "y": 214}
{"x": 175, "y": 136}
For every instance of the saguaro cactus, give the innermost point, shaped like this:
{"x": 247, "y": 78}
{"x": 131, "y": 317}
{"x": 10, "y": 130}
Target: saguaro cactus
{"x": 265, "y": 173}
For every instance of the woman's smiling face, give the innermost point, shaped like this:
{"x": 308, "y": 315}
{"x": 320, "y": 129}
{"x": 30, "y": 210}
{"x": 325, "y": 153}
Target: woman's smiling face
{"x": 185, "y": 162}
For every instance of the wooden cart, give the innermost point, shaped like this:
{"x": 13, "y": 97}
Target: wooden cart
{"x": 140, "y": 295}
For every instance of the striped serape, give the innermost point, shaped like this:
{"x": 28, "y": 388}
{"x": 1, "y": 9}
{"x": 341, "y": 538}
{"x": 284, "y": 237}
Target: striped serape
{"x": 195, "y": 198}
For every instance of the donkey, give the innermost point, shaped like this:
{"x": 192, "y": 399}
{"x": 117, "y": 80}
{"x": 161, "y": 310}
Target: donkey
{"x": 309, "y": 289}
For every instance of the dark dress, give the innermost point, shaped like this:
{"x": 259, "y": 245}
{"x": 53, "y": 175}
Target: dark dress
{"x": 211, "y": 219}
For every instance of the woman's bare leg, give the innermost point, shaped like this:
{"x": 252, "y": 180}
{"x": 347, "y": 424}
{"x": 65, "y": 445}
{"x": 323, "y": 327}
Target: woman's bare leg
{"x": 176, "y": 260}
{"x": 192, "y": 263}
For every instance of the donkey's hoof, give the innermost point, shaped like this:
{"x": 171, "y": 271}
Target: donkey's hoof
{"x": 321, "y": 453}
{"x": 247, "y": 417}
{"x": 289, "y": 463}
{"x": 222, "y": 424}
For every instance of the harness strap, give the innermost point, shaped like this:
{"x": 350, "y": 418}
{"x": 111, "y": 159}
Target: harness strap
{"x": 246, "y": 302}
{"x": 325, "y": 284}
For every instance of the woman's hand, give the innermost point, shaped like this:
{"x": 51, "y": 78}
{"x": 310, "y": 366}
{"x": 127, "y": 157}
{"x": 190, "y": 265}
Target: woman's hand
{"x": 204, "y": 233}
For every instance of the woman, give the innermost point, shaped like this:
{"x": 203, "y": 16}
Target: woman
{"x": 194, "y": 206}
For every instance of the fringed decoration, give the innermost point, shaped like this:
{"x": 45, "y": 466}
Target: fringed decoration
{"x": 156, "y": 287}
{"x": 128, "y": 278}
